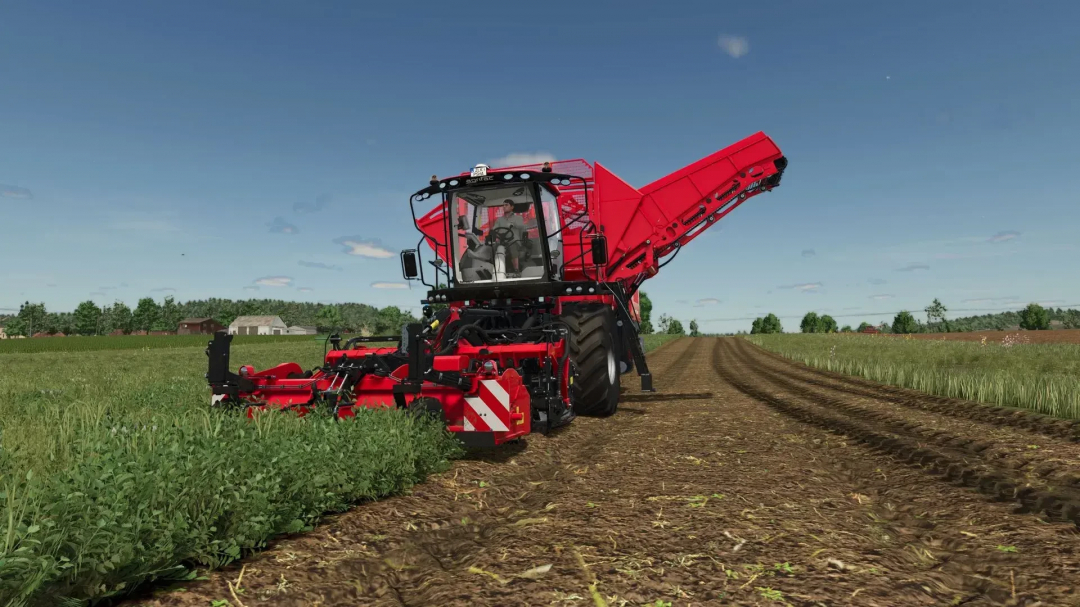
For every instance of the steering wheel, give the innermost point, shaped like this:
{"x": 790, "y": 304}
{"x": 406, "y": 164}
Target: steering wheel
{"x": 503, "y": 236}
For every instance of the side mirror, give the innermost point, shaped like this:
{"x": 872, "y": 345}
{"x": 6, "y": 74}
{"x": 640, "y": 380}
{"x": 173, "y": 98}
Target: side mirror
{"x": 410, "y": 268}
{"x": 599, "y": 250}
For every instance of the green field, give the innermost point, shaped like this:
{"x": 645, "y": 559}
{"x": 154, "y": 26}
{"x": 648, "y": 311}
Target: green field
{"x": 1040, "y": 377}
{"x": 135, "y": 342}
{"x": 114, "y": 470}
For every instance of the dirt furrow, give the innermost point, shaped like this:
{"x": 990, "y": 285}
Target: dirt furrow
{"x": 1053, "y": 462}
{"x": 950, "y": 465}
{"x": 856, "y": 386}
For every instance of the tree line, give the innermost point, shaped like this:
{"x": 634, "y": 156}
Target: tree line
{"x": 150, "y": 316}
{"x": 1034, "y": 317}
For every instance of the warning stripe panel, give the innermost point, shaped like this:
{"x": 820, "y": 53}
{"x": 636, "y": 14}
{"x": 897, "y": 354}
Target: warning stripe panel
{"x": 482, "y": 417}
{"x": 496, "y": 398}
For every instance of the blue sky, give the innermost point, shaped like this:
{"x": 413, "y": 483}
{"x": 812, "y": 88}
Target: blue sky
{"x": 267, "y": 149}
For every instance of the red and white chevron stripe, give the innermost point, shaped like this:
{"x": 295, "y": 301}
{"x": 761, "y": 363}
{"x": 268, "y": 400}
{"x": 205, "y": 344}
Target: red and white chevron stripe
{"x": 489, "y": 410}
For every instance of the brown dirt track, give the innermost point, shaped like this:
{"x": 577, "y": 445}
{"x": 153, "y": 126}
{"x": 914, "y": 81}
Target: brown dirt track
{"x": 745, "y": 480}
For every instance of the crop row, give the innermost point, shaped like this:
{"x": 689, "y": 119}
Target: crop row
{"x": 1041, "y": 378}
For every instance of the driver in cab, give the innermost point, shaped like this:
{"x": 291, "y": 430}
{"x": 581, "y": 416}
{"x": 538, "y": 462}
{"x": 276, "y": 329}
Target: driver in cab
{"x": 516, "y": 225}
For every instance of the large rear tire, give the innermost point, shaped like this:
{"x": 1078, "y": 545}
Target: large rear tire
{"x": 594, "y": 350}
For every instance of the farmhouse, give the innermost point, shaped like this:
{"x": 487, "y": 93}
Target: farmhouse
{"x": 195, "y": 326}
{"x": 299, "y": 330}
{"x": 258, "y": 325}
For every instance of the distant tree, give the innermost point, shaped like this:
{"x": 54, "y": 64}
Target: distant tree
{"x": 694, "y": 329}
{"x": 1034, "y": 318}
{"x": 169, "y": 316}
{"x": 809, "y": 323}
{"x": 390, "y": 321}
{"x": 146, "y": 314}
{"x": 846, "y": 329}
{"x": 15, "y": 326}
{"x": 119, "y": 317}
{"x": 87, "y": 318}
{"x": 645, "y": 305}
{"x": 904, "y": 323}
{"x": 771, "y": 324}
{"x": 826, "y": 324}
{"x": 329, "y": 319}
{"x": 863, "y": 326}
{"x": 755, "y": 328}
{"x": 675, "y": 327}
{"x": 33, "y": 317}
{"x": 935, "y": 312}
{"x": 663, "y": 323}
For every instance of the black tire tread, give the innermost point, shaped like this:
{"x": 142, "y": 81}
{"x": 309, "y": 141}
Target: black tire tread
{"x": 589, "y": 323}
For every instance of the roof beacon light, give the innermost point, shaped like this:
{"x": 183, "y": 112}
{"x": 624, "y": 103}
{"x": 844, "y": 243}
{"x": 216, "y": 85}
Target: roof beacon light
{"x": 434, "y": 180}
{"x": 547, "y": 168}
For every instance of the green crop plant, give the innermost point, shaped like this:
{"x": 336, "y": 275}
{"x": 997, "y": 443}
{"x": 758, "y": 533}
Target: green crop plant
{"x": 1040, "y": 377}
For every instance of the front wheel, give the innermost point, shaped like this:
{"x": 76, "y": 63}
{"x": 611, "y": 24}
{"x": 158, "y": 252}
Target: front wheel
{"x": 593, "y": 349}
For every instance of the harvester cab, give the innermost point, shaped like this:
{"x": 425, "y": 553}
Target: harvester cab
{"x": 531, "y": 315}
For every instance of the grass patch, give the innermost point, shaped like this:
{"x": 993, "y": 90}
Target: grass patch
{"x": 135, "y": 342}
{"x": 114, "y": 471}
{"x": 656, "y": 340}
{"x": 1039, "y": 377}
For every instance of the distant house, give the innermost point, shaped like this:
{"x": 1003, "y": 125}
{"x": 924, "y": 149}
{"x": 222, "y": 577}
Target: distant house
{"x": 298, "y": 330}
{"x": 258, "y": 325}
{"x": 196, "y": 326}
{"x": 870, "y": 329}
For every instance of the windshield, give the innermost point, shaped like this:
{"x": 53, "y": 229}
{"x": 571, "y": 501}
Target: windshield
{"x": 498, "y": 239}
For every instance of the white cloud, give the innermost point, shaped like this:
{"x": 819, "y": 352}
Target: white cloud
{"x": 251, "y": 288}
{"x": 1004, "y": 236}
{"x": 304, "y": 289}
{"x": 736, "y": 46}
{"x": 13, "y": 191}
{"x": 389, "y": 285}
{"x": 522, "y": 158}
{"x": 320, "y": 265}
{"x": 321, "y": 202}
{"x": 708, "y": 301}
{"x": 280, "y": 226}
{"x": 163, "y": 290}
{"x": 357, "y": 245}
{"x": 274, "y": 281}
{"x": 882, "y": 296}
{"x": 804, "y": 287}
{"x": 911, "y": 267}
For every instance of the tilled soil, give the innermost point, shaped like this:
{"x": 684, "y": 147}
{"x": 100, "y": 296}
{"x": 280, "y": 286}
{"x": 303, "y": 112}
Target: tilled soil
{"x": 745, "y": 480}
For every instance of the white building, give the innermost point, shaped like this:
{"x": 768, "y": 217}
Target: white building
{"x": 298, "y": 330}
{"x": 258, "y": 325}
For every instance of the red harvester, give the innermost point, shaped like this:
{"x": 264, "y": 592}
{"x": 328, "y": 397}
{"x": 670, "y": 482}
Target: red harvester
{"x": 532, "y": 315}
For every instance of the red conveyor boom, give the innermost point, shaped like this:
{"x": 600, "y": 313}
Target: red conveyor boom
{"x": 643, "y": 226}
